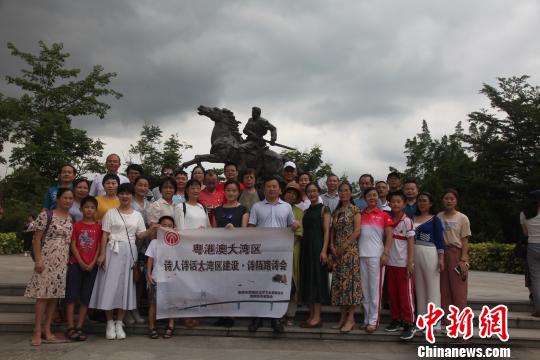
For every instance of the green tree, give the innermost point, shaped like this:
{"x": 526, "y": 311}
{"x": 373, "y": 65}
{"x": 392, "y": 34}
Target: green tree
{"x": 52, "y": 95}
{"x": 419, "y": 152}
{"x": 505, "y": 140}
{"x": 505, "y": 143}
{"x": 38, "y": 124}
{"x": 148, "y": 149}
{"x": 172, "y": 150}
{"x": 438, "y": 164}
{"x": 493, "y": 165}
{"x": 152, "y": 153}
{"x": 309, "y": 161}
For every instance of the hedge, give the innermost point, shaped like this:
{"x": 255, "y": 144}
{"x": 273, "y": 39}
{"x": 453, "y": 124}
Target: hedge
{"x": 495, "y": 257}
{"x": 10, "y": 244}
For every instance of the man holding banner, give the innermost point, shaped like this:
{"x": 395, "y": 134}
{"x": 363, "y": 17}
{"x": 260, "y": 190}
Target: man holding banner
{"x": 272, "y": 212}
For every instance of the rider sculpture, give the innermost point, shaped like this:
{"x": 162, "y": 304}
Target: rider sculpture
{"x": 228, "y": 145}
{"x": 255, "y": 129}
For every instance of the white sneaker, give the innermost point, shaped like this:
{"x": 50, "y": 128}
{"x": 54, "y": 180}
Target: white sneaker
{"x": 110, "y": 333}
{"x": 128, "y": 319}
{"x": 137, "y": 317}
{"x": 120, "y": 334}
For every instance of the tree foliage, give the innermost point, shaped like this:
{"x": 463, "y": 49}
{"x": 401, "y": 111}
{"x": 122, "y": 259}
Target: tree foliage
{"x": 493, "y": 166}
{"x": 40, "y": 119}
{"x": 309, "y": 161}
{"x": 38, "y": 124}
{"x": 506, "y": 140}
{"x": 152, "y": 153}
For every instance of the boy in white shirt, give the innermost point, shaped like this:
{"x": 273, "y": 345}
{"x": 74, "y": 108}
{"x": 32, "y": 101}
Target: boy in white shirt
{"x": 399, "y": 258}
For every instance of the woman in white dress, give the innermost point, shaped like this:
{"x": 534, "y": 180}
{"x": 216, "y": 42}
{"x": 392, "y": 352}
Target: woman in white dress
{"x": 114, "y": 287}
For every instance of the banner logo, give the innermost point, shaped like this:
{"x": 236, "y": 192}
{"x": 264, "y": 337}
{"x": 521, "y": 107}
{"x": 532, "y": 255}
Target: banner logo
{"x": 171, "y": 238}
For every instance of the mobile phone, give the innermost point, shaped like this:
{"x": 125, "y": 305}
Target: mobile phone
{"x": 457, "y": 269}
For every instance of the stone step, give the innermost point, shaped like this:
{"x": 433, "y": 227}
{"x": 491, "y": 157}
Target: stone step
{"x": 16, "y": 304}
{"x": 12, "y": 289}
{"x": 520, "y": 320}
{"x": 515, "y": 303}
{"x": 476, "y": 304}
{"x": 23, "y": 322}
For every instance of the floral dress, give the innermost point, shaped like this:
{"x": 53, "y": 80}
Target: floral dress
{"x": 51, "y": 283}
{"x": 346, "y": 286}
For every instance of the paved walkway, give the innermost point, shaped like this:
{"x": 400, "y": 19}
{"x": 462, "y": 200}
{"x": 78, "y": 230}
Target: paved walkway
{"x": 16, "y": 269}
{"x": 15, "y": 346}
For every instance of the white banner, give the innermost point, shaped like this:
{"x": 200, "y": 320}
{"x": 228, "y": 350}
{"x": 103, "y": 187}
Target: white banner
{"x": 224, "y": 272}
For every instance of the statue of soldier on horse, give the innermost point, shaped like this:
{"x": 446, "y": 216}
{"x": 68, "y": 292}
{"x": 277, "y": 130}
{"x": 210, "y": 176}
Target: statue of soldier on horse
{"x": 227, "y": 143}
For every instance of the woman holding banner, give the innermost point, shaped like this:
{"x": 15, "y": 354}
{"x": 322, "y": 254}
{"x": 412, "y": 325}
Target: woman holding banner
{"x": 230, "y": 215}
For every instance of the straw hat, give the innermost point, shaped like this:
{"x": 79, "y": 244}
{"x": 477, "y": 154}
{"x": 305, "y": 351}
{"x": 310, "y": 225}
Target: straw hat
{"x": 294, "y": 185}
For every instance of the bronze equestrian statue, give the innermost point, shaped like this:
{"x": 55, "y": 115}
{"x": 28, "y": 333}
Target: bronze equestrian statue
{"x": 227, "y": 143}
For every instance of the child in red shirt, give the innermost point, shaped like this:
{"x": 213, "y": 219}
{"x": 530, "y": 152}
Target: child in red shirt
{"x": 82, "y": 269}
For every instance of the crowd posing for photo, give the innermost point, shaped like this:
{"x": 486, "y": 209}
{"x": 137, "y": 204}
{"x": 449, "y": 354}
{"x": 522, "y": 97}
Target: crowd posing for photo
{"x": 94, "y": 245}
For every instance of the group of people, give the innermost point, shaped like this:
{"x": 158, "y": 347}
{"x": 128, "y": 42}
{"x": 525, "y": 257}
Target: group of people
{"x": 93, "y": 240}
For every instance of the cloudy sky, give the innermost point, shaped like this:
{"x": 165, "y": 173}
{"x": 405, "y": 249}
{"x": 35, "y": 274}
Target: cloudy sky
{"x": 356, "y": 77}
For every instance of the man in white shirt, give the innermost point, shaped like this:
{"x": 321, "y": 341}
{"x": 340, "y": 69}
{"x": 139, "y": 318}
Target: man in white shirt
{"x": 382, "y": 190}
{"x": 112, "y": 164}
{"x": 272, "y": 212}
{"x": 331, "y": 198}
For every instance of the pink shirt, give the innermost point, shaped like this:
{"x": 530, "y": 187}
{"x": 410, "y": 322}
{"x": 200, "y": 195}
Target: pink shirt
{"x": 371, "y": 242}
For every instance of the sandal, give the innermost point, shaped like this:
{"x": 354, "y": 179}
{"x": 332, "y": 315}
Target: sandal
{"x": 72, "y": 334}
{"x": 169, "y": 332}
{"x": 81, "y": 336}
{"x": 36, "y": 340}
{"x": 153, "y": 334}
{"x": 370, "y": 329}
{"x": 347, "y": 327}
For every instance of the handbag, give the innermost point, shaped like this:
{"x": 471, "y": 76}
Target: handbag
{"x": 137, "y": 275}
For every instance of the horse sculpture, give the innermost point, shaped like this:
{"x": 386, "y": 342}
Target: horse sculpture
{"x": 227, "y": 145}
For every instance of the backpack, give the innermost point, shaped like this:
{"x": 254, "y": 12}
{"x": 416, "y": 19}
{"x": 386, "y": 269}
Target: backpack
{"x": 184, "y": 209}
